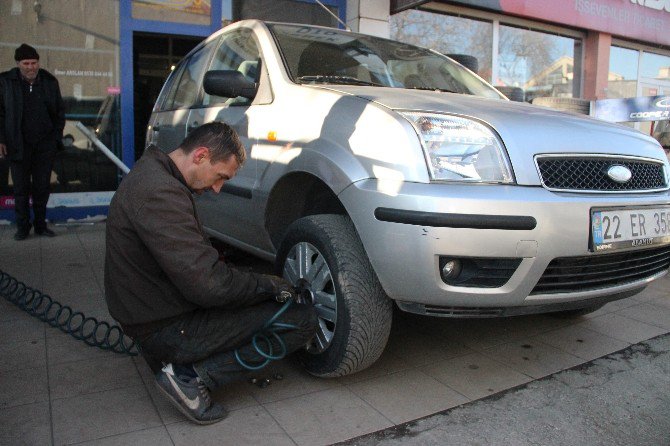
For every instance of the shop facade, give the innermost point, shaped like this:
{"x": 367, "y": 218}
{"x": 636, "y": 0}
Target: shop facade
{"x": 112, "y": 57}
{"x": 590, "y": 49}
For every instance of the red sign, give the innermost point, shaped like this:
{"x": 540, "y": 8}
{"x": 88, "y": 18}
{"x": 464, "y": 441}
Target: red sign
{"x": 647, "y": 20}
{"x": 6, "y": 202}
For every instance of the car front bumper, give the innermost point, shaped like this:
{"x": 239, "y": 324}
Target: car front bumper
{"x": 481, "y": 221}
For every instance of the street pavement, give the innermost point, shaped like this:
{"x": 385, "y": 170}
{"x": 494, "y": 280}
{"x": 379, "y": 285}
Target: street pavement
{"x": 621, "y": 399}
{"x": 522, "y": 380}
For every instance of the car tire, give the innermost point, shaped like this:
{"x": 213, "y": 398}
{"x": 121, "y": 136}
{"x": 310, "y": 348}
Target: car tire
{"x": 569, "y": 314}
{"x": 323, "y": 256}
{"x": 575, "y": 105}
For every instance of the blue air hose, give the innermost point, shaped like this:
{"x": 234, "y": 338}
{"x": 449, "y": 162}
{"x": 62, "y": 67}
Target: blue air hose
{"x": 271, "y": 329}
{"x": 93, "y": 332}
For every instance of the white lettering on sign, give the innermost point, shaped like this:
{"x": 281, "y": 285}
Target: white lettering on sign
{"x": 82, "y": 73}
{"x": 634, "y": 18}
{"x": 653, "y": 4}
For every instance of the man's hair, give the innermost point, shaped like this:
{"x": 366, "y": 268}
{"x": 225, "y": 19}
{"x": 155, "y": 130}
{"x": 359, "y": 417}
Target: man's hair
{"x": 221, "y": 140}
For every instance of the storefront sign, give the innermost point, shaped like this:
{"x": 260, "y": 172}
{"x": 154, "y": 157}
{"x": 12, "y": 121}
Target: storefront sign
{"x": 78, "y": 199}
{"x": 645, "y": 20}
{"x": 646, "y": 108}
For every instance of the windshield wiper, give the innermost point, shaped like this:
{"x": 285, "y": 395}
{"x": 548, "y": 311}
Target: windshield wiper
{"x": 439, "y": 90}
{"x": 334, "y": 79}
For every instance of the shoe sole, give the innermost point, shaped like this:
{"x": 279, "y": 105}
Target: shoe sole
{"x": 185, "y": 412}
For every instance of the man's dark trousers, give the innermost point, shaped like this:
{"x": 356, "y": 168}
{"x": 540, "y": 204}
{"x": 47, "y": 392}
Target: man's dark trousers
{"x": 206, "y": 338}
{"x": 33, "y": 175}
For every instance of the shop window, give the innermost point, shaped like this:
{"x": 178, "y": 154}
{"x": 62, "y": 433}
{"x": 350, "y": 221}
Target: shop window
{"x": 542, "y": 64}
{"x": 446, "y": 34}
{"x": 655, "y": 66}
{"x": 622, "y": 75}
{"x": 79, "y": 44}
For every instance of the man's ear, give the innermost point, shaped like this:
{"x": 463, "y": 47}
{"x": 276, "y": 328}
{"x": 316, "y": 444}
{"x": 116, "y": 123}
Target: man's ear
{"x": 200, "y": 154}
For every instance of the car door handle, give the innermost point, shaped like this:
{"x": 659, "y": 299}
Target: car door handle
{"x": 156, "y": 128}
{"x": 193, "y": 125}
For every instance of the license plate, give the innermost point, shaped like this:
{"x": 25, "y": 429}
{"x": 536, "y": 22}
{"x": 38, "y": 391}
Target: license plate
{"x": 622, "y": 228}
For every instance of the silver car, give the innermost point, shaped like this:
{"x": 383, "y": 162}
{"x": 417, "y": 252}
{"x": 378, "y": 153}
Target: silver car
{"x": 380, "y": 173}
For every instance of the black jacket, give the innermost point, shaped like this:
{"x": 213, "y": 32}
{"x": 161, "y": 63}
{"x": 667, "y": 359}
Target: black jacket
{"x": 159, "y": 261}
{"x": 11, "y": 109}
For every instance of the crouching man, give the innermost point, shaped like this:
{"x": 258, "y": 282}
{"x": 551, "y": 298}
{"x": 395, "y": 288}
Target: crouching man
{"x": 165, "y": 284}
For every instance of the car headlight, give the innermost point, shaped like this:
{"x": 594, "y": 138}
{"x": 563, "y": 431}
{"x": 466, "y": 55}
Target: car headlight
{"x": 461, "y": 149}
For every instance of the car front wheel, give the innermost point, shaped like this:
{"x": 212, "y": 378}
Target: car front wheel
{"x": 324, "y": 258}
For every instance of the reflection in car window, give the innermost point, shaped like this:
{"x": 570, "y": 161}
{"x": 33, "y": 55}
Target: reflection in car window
{"x": 320, "y": 55}
{"x": 238, "y": 51}
{"x": 185, "y": 92}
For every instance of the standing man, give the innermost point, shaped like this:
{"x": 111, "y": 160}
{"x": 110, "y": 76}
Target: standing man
{"x": 32, "y": 119}
{"x": 165, "y": 284}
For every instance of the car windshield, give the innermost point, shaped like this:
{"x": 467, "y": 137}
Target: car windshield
{"x": 320, "y": 55}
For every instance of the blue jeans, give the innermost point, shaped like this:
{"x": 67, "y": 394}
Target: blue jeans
{"x": 207, "y": 339}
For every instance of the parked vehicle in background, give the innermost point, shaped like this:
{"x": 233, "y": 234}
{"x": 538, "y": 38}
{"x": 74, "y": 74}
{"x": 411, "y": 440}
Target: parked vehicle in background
{"x": 383, "y": 174}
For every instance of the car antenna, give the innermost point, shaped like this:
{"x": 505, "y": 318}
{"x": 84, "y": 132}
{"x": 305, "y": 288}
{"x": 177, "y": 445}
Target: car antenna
{"x": 336, "y": 17}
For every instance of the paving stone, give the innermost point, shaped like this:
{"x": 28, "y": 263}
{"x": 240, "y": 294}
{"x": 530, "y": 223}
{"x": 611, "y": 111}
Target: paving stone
{"x": 156, "y": 436}
{"x": 475, "y": 375}
{"x": 407, "y": 395}
{"x": 326, "y": 417}
{"x": 582, "y": 342}
{"x": 532, "y": 357}
{"x": 92, "y": 375}
{"x": 623, "y": 328}
{"x": 26, "y": 329}
{"x": 25, "y": 425}
{"x": 23, "y": 386}
{"x": 22, "y": 354}
{"x": 249, "y": 426}
{"x": 102, "y": 414}
{"x": 649, "y": 313}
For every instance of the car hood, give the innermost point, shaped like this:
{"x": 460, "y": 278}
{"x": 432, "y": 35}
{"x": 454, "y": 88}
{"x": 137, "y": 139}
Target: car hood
{"x": 526, "y": 130}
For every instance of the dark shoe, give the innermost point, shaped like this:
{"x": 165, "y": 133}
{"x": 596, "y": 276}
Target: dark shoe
{"x": 22, "y": 233}
{"x": 190, "y": 396}
{"x": 46, "y": 232}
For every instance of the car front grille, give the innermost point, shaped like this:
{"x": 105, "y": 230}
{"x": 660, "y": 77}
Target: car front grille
{"x": 573, "y": 274}
{"x": 589, "y": 173}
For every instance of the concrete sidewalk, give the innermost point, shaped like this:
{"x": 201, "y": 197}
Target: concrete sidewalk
{"x": 57, "y": 390}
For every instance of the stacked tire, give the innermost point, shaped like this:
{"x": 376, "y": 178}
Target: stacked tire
{"x": 574, "y": 105}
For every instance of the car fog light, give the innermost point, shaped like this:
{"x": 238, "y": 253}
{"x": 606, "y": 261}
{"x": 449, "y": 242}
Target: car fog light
{"x": 451, "y": 269}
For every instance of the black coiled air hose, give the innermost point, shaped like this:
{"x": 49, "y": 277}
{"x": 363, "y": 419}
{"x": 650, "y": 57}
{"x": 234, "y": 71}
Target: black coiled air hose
{"x": 93, "y": 332}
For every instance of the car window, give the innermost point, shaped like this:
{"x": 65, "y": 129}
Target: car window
{"x": 317, "y": 55}
{"x": 185, "y": 92}
{"x": 166, "y": 97}
{"x": 238, "y": 51}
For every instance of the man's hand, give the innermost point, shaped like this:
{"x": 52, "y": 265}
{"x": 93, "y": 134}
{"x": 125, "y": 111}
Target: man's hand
{"x": 3, "y": 150}
{"x": 274, "y": 287}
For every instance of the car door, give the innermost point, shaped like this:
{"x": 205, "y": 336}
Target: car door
{"x": 169, "y": 124}
{"x": 235, "y": 212}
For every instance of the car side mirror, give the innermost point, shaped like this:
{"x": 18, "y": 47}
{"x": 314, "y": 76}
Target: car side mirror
{"x": 229, "y": 84}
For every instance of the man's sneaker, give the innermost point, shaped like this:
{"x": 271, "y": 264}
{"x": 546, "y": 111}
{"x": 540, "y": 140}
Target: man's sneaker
{"x": 190, "y": 396}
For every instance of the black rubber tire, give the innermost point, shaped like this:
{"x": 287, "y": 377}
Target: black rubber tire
{"x": 513, "y": 93}
{"x": 364, "y": 311}
{"x": 575, "y": 105}
{"x": 469, "y": 62}
{"x": 568, "y": 314}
